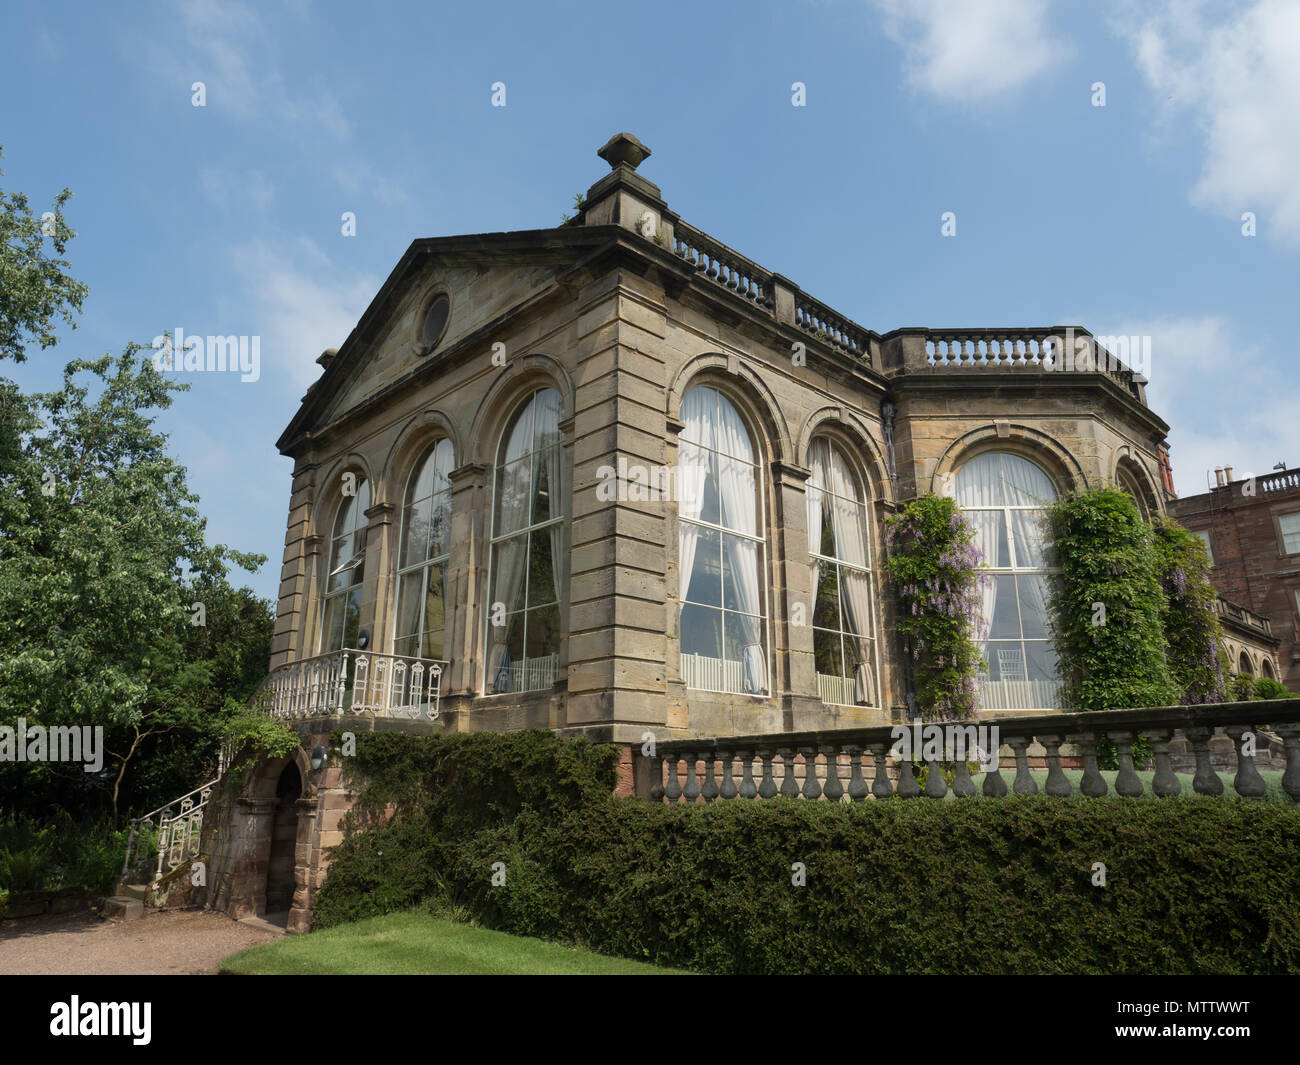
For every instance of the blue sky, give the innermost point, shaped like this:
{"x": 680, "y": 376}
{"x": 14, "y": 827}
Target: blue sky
{"x": 225, "y": 219}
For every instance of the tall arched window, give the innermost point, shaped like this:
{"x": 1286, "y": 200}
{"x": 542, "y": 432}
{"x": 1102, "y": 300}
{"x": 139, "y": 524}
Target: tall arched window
{"x": 843, "y": 616}
{"x": 1128, "y": 484}
{"x": 721, "y": 549}
{"x": 528, "y": 574}
{"x": 1005, "y": 497}
{"x": 346, "y": 572}
{"x": 1243, "y": 665}
{"x": 422, "y": 558}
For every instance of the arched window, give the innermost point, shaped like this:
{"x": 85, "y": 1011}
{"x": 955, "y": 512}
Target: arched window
{"x": 346, "y": 572}
{"x": 1266, "y": 669}
{"x": 421, "y": 622}
{"x": 528, "y": 574}
{"x": 721, "y": 549}
{"x": 1244, "y": 666}
{"x": 843, "y": 615}
{"x": 1004, "y": 496}
{"x": 1128, "y": 483}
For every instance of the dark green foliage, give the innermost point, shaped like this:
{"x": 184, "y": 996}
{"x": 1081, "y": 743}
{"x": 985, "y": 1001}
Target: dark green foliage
{"x": 1193, "y": 638}
{"x": 1268, "y": 688}
{"x": 59, "y": 853}
{"x": 1104, "y": 554}
{"x": 934, "y": 568}
{"x": 441, "y": 790}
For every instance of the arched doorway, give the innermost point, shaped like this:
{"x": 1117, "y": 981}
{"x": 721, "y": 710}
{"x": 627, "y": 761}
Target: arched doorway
{"x": 284, "y": 839}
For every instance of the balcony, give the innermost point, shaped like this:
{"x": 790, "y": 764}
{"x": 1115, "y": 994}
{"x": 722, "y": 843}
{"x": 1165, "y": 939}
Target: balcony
{"x": 354, "y": 682}
{"x": 1231, "y": 611}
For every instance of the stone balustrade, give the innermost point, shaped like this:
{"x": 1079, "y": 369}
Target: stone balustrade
{"x": 1280, "y": 481}
{"x": 1243, "y": 616}
{"x": 750, "y": 766}
{"x": 724, "y": 265}
{"x": 836, "y": 330}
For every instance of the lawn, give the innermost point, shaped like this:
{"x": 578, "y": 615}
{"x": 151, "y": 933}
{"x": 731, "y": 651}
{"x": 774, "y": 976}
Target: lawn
{"x": 413, "y": 943}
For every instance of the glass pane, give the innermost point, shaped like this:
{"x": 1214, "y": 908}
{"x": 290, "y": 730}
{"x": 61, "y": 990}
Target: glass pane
{"x": 739, "y": 495}
{"x": 826, "y": 607}
{"x": 352, "y": 618}
{"x": 856, "y": 597}
{"x": 1028, "y": 531}
{"x": 508, "y": 558}
{"x": 415, "y": 547}
{"x": 740, "y": 583}
{"x": 408, "y": 604}
{"x": 435, "y": 609}
{"x": 333, "y": 624}
{"x": 1032, "y": 589}
{"x": 705, "y": 585}
{"x": 979, "y": 483}
{"x": 705, "y": 464}
{"x": 541, "y": 568}
{"x": 828, "y": 653}
{"x": 732, "y": 436}
{"x": 1006, "y": 660}
{"x": 700, "y": 415}
{"x": 701, "y": 631}
{"x": 339, "y": 575}
{"x": 440, "y": 532}
{"x": 1006, "y": 619}
{"x": 1026, "y": 485}
{"x": 543, "y": 633}
{"x": 506, "y": 652}
{"x": 542, "y": 494}
{"x": 744, "y": 646}
{"x": 549, "y": 414}
{"x": 408, "y": 646}
{"x": 421, "y": 486}
{"x": 1042, "y": 664}
{"x": 849, "y": 521}
{"x": 513, "y": 496}
{"x": 990, "y": 535}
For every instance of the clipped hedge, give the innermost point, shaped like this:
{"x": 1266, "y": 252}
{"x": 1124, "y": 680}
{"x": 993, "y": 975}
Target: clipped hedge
{"x": 1002, "y": 886}
{"x": 1193, "y": 885}
{"x": 416, "y": 795}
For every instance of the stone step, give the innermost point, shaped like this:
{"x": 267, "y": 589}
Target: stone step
{"x": 121, "y": 908}
{"x": 131, "y": 891}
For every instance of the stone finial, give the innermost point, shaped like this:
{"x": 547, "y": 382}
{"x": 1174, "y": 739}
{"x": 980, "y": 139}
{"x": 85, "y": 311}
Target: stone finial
{"x": 624, "y": 148}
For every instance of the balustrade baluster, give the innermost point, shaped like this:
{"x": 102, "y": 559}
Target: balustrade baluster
{"x": 1248, "y": 783}
{"x": 1206, "y": 781}
{"x": 1165, "y": 782}
{"x": 673, "y": 789}
{"x": 1291, "y": 745}
{"x": 1127, "y": 782}
{"x": 1024, "y": 783}
{"x": 692, "y": 790}
{"x": 881, "y": 786}
{"x": 1093, "y": 785}
{"x": 993, "y": 785}
{"x": 935, "y": 786}
{"x": 657, "y": 779}
{"x": 833, "y": 790}
{"x": 812, "y": 788}
{"x": 858, "y": 790}
{"x": 710, "y": 790}
{"x": 1057, "y": 784}
{"x": 788, "y": 786}
{"x": 747, "y": 789}
{"x": 767, "y": 786}
{"x": 728, "y": 790}
{"x": 962, "y": 785}
{"x": 908, "y": 788}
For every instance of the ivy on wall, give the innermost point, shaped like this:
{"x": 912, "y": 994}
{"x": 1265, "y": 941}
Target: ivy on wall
{"x": 1193, "y": 637}
{"x": 1107, "y": 605}
{"x": 934, "y": 564}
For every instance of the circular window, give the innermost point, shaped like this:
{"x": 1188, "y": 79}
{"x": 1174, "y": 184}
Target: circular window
{"x": 435, "y": 323}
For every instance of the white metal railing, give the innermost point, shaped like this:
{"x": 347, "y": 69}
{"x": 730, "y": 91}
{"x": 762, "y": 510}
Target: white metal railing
{"x": 837, "y": 690}
{"x": 528, "y": 674}
{"x": 713, "y": 674}
{"x": 179, "y": 824}
{"x": 355, "y": 682}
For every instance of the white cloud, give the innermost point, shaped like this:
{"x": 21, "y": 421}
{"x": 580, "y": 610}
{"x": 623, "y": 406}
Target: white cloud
{"x": 968, "y": 51}
{"x": 302, "y": 304}
{"x": 1206, "y": 382}
{"x": 231, "y": 189}
{"x": 1240, "y": 78}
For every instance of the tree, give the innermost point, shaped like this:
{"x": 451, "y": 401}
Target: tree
{"x": 34, "y": 289}
{"x": 102, "y": 548}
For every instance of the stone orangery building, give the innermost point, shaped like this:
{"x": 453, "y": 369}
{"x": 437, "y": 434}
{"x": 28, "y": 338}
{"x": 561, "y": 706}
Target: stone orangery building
{"x": 614, "y": 478}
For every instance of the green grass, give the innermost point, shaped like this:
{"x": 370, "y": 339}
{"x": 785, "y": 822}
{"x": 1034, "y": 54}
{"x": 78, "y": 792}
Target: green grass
{"x": 415, "y": 943}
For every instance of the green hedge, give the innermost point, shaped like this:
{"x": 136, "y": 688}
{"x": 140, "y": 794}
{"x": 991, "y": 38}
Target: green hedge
{"x": 972, "y": 886}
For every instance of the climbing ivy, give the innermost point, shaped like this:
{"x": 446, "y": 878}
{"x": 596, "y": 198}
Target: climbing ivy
{"x": 933, "y": 564}
{"x": 1193, "y": 638}
{"x": 261, "y": 735}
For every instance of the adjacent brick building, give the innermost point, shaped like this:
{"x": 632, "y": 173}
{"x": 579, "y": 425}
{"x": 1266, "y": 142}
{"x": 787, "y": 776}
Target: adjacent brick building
{"x": 1252, "y": 528}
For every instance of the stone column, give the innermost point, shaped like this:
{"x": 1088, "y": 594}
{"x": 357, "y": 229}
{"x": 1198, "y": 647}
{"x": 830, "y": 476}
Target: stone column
{"x": 471, "y": 528}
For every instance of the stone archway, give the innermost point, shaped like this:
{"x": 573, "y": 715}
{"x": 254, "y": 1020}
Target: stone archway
{"x": 284, "y": 838}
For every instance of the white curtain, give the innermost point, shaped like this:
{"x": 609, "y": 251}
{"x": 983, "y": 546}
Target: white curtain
{"x": 739, "y": 491}
{"x": 1026, "y": 484}
{"x": 548, "y": 429}
{"x": 849, "y": 524}
{"x": 513, "y": 504}
{"x": 697, "y": 413}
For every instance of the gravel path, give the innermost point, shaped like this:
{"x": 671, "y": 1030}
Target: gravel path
{"x": 171, "y": 942}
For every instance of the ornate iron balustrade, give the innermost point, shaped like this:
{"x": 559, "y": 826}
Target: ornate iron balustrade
{"x": 179, "y": 824}
{"x": 354, "y": 682}
{"x": 843, "y": 752}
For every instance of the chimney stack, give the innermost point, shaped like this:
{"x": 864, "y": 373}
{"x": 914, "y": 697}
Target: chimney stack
{"x": 1218, "y": 476}
{"x": 1227, "y": 470}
